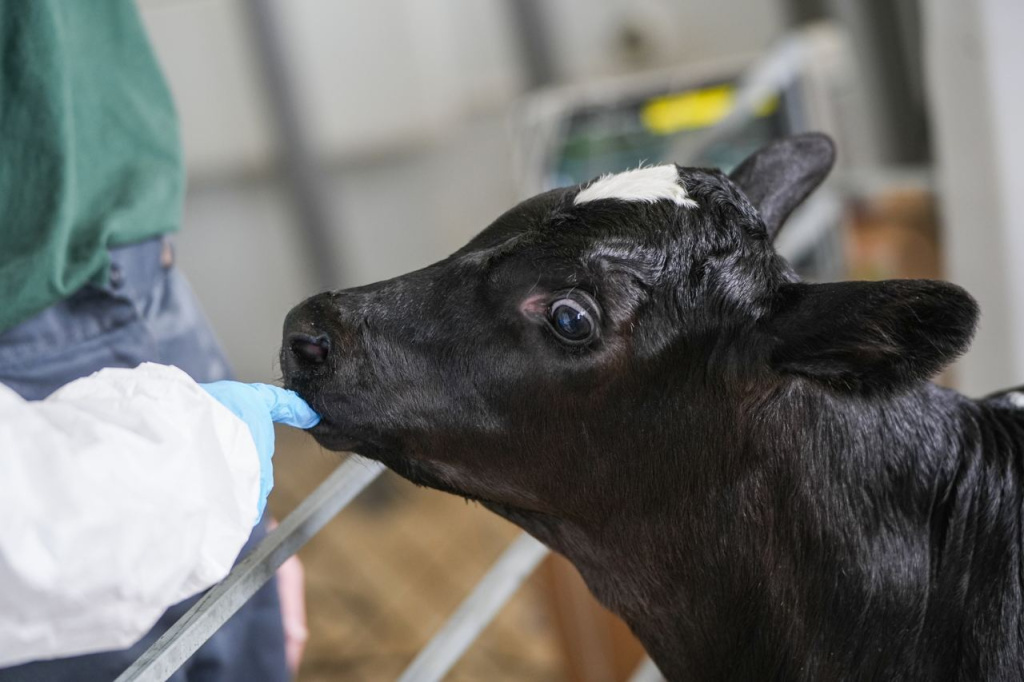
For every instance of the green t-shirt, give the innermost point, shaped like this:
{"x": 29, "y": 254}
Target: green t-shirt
{"x": 89, "y": 150}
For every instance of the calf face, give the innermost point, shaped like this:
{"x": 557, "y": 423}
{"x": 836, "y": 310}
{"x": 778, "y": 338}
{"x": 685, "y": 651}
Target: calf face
{"x": 503, "y": 371}
{"x": 596, "y": 342}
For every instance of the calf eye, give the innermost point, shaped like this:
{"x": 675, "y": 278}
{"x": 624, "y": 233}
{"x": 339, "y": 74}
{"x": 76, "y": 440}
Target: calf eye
{"x": 571, "y": 321}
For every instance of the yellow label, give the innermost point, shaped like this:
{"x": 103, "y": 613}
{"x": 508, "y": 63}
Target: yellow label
{"x": 694, "y": 109}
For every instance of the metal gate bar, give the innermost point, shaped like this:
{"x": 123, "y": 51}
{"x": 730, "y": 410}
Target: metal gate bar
{"x": 476, "y": 611}
{"x": 206, "y": 616}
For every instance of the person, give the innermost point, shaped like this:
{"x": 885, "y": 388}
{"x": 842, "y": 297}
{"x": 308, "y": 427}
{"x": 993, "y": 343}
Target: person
{"x": 91, "y": 188}
{"x": 126, "y": 492}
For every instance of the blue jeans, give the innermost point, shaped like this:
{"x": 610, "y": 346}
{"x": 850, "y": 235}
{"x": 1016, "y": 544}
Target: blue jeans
{"x": 147, "y": 313}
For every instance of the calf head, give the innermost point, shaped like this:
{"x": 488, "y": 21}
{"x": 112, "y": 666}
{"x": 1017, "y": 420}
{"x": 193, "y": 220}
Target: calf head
{"x": 606, "y": 347}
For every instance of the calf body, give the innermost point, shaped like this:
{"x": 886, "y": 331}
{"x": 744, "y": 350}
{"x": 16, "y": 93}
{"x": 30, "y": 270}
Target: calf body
{"x": 752, "y": 471}
{"x": 861, "y": 546}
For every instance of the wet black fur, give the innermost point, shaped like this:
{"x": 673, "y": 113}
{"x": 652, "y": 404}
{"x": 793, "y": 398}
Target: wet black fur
{"x": 751, "y": 470}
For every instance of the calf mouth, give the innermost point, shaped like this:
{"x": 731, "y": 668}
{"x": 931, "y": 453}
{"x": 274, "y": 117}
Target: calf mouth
{"x": 333, "y": 434}
{"x": 339, "y": 437}
{"x": 417, "y": 471}
{"x": 329, "y": 436}
{"x": 330, "y": 432}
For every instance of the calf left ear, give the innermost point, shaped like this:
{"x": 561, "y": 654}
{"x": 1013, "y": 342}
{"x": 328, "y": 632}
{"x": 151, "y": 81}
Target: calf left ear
{"x": 871, "y": 336}
{"x": 777, "y": 178}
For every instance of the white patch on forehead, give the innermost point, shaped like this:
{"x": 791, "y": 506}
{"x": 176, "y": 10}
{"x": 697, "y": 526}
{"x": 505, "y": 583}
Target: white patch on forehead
{"x": 1016, "y": 399}
{"x": 647, "y": 185}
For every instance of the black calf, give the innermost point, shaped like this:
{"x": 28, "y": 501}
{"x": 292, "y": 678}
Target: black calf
{"x": 751, "y": 470}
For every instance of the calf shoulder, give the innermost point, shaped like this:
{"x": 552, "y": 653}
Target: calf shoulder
{"x": 975, "y": 614}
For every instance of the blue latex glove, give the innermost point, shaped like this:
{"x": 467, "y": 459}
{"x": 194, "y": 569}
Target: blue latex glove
{"x": 259, "y": 406}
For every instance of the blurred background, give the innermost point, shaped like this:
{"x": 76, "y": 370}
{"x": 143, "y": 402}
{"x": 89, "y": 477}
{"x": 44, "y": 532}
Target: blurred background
{"x": 332, "y": 143}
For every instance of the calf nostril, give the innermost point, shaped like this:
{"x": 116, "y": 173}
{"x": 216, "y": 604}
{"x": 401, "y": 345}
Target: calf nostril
{"x": 310, "y": 348}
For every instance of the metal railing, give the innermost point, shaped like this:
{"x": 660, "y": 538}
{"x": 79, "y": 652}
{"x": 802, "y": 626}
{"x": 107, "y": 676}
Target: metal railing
{"x": 208, "y": 614}
{"x": 480, "y": 607}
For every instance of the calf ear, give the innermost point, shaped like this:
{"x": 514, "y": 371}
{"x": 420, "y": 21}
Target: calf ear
{"x": 871, "y": 336}
{"x": 777, "y": 178}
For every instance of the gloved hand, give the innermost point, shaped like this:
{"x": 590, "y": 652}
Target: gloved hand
{"x": 259, "y": 406}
